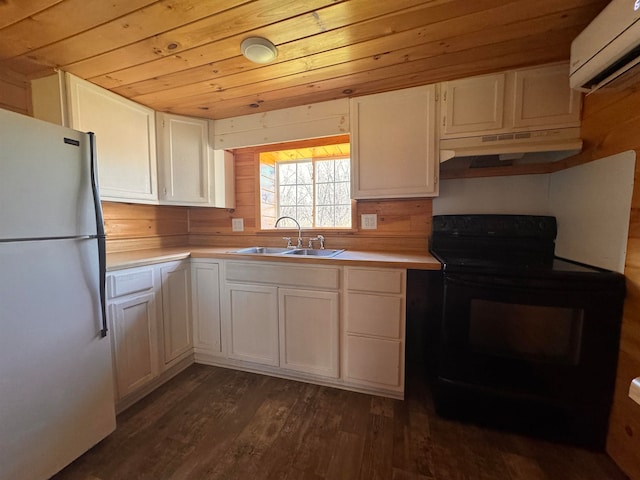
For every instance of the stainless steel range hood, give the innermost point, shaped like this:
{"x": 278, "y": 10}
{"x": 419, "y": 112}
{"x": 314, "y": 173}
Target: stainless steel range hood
{"x": 559, "y": 144}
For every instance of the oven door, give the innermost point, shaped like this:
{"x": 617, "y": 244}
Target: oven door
{"x": 545, "y": 338}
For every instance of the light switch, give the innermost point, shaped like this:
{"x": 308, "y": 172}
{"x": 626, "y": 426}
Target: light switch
{"x": 369, "y": 221}
{"x": 237, "y": 224}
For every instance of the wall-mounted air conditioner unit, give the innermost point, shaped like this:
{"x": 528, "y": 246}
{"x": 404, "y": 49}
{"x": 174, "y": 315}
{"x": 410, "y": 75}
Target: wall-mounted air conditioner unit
{"x": 608, "y": 50}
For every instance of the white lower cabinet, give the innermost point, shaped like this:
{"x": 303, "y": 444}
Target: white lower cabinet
{"x": 332, "y": 325}
{"x": 205, "y": 303}
{"x": 133, "y": 321}
{"x": 176, "y": 311}
{"x": 252, "y": 316}
{"x": 149, "y": 312}
{"x": 284, "y": 316}
{"x": 309, "y": 331}
{"x": 374, "y": 328}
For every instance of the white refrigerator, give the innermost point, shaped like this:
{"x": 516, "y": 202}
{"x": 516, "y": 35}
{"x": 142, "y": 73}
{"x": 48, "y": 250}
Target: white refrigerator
{"x": 56, "y": 381}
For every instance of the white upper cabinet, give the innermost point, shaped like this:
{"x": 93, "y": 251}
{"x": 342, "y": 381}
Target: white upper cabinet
{"x": 473, "y": 105}
{"x": 125, "y": 138}
{"x": 394, "y": 144}
{"x": 183, "y": 159}
{"x": 542, "y": 97}
{"x": 186, "y": 171}
{"x": 529, "y": 99}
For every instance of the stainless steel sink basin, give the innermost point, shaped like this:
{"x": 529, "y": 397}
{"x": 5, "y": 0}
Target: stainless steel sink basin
{"x": 315, "y": 252}
{"x": 311, "y": 252}
{"x": 263, "y": 250}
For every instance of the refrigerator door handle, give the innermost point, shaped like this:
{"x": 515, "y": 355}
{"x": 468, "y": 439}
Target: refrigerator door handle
{"x": 102, "y": 250}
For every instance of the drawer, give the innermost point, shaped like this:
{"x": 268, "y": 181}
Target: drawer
{"x": 382, "y": 280}
{"x": 302, "y": 275}
{"x": 374, "y": 361}
{"x": 377, "y": 315}
{"x": 127, "y": 282}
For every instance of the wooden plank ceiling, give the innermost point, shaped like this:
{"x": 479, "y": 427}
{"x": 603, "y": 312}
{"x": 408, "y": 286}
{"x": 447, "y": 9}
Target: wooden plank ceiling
{"x": 183, "y": 56}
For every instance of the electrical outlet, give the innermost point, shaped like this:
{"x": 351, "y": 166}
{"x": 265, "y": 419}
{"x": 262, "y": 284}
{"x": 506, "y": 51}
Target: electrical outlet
{"x": 237, "y": 224}
{"x": 369, "y": 221}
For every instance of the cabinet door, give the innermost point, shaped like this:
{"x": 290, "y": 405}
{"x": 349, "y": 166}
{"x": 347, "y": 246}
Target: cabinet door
{"x": 472, "y": 106}
{"x": 135, "y": 341}
{"x": 125, "y": 139}
{"x": 183, "y": 159}
{"x": 394, "y": 144}
{"x": 542, "y": 97}
{"x": 251, "y": 313}
{"x": 176, "y": 311}
{"x": 207, "y": 332}
{"x": 309, "y": 335}
{"x": 377, "y": 362}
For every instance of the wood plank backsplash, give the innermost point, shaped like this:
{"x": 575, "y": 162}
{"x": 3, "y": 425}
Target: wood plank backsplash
{"x": 132, "y": 226}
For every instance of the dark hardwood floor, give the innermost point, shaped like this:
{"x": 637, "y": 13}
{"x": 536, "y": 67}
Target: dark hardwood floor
{"x": 216, "y": 423}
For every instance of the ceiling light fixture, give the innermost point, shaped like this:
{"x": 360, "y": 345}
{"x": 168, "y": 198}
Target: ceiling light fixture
{"x": 258, "y": 50}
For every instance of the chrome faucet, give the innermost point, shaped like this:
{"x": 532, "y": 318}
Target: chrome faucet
{"x": 319, "y": 238}
{"x": 299, "y": 245}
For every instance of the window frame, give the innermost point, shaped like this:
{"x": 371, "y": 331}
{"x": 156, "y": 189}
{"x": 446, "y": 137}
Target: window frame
{"x": 318, "y": 142}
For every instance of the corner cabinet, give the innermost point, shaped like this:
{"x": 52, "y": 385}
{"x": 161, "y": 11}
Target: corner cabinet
{"x": 528, "y": 99}
{"x": 149, "y": 312}
{"x": 205, "y": 302}
{"x": 177, "y": 338}
{"x": 394, "y": 144}
{"x": 190, "y": 172}
{"x": 183, "y": 159}
{"x": 125, "y": 138}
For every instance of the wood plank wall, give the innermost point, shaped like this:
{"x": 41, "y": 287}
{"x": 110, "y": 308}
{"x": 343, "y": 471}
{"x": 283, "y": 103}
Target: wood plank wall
{"x": 15, "y": 93}
{"x": 132, "y": 227}
{"x": 402, "y": 224}
{"x": 611, "y": 124}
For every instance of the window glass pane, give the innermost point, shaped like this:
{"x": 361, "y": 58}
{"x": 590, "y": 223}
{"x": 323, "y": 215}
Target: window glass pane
{"x": 305, "y": 216}
{"x": 289, "y": 212}
{"x": 343, "y": 169}
{"x": 305, "y": 172}
{"x": 287, "y": 173}
{"x": 325, "y": 171}
{"x": 325, "y": 194}
{"x": 325, "y": 216}
{"x": 343, "y": 193}
{"x": 305, "y": 195}
{"x": 288, "y": 195}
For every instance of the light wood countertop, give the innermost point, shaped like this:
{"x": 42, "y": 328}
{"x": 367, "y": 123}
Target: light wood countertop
{"x": 409, "y": 260}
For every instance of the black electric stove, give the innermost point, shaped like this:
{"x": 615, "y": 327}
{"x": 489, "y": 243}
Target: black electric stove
{"x": 525, "y": 337}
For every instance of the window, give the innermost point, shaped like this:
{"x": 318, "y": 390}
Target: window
{"x": 310, "y": 184}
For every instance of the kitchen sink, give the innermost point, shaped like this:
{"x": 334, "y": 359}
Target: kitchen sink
{"x": 263, "y": 250}
{"x": 311, "y": 252}
{"x": 315, "y": 252}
